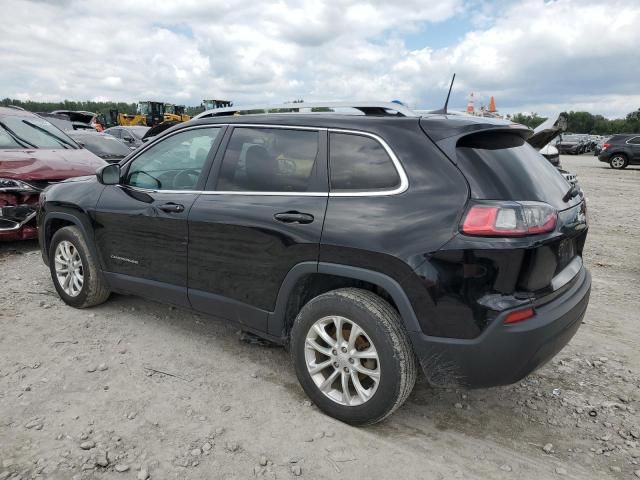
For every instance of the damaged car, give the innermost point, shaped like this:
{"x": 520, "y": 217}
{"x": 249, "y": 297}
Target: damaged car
{"x": 103, "y": 145}
{"x": 33, "y": 155}
{"x": 541, "y": 140}
{"x": 372, "y": 245}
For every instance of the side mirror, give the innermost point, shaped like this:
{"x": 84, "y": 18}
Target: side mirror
{"x": 109, "y": 174}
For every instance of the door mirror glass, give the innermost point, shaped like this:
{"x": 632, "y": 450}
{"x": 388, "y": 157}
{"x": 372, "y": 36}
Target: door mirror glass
{"x": 109, "y": 174}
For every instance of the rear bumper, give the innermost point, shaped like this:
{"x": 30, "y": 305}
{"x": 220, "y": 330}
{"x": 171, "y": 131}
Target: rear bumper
{"x": 604, "y": 157}
{"x": 504, "y": 354}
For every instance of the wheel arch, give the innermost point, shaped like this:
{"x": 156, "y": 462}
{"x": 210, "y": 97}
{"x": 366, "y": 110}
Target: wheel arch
{"x": 309, "y": 279}
{"x": 53, "y": 222}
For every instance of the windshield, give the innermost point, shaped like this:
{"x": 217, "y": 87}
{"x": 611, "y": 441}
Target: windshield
{"x": 138, "y": 131}
{"x": 103, "y": 145}
{"x": 33, "y": 132}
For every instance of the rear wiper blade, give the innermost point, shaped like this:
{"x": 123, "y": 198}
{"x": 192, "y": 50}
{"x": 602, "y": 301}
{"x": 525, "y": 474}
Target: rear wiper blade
{"x": 573, "y": 192}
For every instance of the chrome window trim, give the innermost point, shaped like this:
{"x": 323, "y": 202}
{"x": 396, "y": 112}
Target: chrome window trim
{"x": 404, "y": 181}
{"x": 632, "y": 138}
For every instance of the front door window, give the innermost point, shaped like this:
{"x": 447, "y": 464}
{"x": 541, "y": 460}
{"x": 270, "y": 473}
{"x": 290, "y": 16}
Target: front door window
{"x": 175, "y": 163}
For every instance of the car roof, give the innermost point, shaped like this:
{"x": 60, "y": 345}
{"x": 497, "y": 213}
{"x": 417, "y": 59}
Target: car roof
{"x": 15, "y": 112}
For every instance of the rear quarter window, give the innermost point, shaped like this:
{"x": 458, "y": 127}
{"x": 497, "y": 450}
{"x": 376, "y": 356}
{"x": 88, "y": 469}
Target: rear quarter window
{"x": 360, "y": 163}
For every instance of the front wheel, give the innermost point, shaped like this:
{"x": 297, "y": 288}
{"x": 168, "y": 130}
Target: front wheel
{"x": 618, "y": 162}
{"x": 352, "y": 356}
{"x": 74, "y": 271}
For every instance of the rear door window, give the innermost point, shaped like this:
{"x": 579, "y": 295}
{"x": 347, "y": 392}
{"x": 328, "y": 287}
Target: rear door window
{"x": 360, "y": 163}
{"x": 270, "y": 160}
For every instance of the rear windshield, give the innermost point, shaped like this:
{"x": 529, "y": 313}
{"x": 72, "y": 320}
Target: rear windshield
{"x": 103, "y": 145}
{"x": 32, "y": 132}
{"x": 502, "y": 166}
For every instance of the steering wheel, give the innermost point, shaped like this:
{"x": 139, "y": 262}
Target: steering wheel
{"x": 140, "y": 172}
{"x": 186, "y": 179}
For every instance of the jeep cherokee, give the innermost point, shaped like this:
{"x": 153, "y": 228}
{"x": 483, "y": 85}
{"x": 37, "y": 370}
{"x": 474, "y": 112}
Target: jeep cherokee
{"x": 369, "y": 244}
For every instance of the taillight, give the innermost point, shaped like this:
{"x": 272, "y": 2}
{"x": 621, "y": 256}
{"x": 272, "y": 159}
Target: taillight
{"x": 519, "y": 316}
{"x": 605, "y": 146}
{"x": 509, "y": 219}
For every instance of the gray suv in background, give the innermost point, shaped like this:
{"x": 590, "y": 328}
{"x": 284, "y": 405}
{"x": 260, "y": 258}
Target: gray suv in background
{"x": 621, "y": 150}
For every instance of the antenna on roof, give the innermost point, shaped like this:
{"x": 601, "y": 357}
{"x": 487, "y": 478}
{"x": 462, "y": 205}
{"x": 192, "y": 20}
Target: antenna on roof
{"x": 446, "y": 102}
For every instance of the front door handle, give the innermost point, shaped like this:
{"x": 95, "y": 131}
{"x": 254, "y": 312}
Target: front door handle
{"x": 172, "y": 208}
{"x": 293, "y": 217}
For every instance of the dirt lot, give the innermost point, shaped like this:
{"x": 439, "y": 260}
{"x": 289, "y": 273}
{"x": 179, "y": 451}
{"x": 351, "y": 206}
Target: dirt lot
{"x": 134, "y": 388}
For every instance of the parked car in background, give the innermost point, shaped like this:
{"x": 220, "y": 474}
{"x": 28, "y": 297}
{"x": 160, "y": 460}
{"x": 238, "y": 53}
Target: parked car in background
{"x": 62, "y": 121}
{"x": 598, "y": 148}
{"x": 103, "y": 145}
{"x": 551, "y": 153}
{"x": 33, "y": 155}
{"x": 372, "y": 245}
{"x": 571, "y": 144}
{"x": 544, "y": 133}
{"x": 81, "y": 119}
{"x": 130, "y": 136}
{"x": 542, "y": 138}
{"x": 621, "y": 151}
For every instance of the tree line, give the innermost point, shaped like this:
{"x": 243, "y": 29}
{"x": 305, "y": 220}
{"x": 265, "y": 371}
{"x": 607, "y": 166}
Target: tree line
{"x": 585, "y": 122}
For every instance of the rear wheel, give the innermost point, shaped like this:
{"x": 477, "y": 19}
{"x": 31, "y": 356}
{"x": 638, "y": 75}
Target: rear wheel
{"x": 352, "y": 356}
{"x": 74, "y": 271}
{"x": 618, "y": 161}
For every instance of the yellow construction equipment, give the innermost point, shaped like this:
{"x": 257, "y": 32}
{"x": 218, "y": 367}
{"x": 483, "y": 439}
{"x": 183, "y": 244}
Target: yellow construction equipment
{"x": 211, "y": 104}
{"x": 149, "y": 114}
{"x": 175, "y": 113}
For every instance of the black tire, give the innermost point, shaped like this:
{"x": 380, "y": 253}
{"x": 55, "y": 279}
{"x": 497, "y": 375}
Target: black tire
{"x": 383, "y": 325}
{"x": 94, "y": 289}
{"x": 620, "y": 160}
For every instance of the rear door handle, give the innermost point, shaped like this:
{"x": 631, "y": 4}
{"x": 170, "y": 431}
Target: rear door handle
{"x": 293, "y": 217}
{"x": 172, "y": 208}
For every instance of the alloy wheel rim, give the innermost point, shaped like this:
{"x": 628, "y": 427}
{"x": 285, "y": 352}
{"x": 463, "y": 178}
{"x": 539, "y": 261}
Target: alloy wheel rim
{"x": 617, "y": 162}
{"x": 342, "y": 360}
{"x": 69, "y": 269}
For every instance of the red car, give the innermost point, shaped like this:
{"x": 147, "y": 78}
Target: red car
{"x": 33, "y": 154}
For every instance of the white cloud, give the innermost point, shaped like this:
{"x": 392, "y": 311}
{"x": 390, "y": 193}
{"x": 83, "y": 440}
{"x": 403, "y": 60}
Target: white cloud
{"x": 530, "y": 54}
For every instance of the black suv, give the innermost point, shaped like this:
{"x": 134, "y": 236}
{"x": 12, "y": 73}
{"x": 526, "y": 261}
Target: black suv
{"x": 369, "y": 244}
{"x": 621, "y": 150}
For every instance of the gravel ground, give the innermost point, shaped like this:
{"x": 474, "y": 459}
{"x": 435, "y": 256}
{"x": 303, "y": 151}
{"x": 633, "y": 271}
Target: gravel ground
{"x": 135, "y": 389}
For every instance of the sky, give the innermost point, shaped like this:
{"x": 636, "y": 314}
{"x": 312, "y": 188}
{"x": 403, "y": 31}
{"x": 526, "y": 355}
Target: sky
{"x": 541, "y": 56}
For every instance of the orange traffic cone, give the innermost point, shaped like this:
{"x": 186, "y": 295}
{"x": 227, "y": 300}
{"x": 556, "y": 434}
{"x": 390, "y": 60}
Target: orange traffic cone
{"x": 470, "y": 107}
{"x": 492, "y": 105}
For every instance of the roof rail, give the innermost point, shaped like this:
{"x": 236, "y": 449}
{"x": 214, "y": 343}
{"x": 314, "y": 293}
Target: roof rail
{"x": 367, "y": 108}
{"x": 16, "y": 107}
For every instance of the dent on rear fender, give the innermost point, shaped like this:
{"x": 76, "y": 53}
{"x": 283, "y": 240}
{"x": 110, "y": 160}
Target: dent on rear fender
{"x": 469, "y": 288}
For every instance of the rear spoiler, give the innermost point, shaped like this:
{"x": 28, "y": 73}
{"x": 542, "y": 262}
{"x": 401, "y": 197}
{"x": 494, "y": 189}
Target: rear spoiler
{"x": 440, "y": 127}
